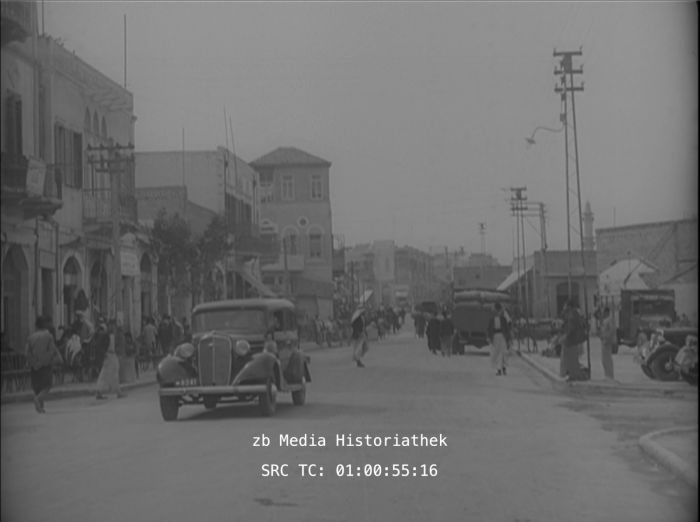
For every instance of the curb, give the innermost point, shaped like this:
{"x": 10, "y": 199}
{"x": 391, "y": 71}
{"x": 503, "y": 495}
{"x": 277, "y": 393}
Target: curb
{"x": 558, "y": 383}
{"x": 667, "y": 458}
{"x": 66, "y": 393}
{"x": 561, "y": 384}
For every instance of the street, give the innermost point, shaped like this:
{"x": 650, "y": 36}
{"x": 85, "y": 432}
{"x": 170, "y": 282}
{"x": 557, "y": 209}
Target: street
{"x": 516, "y": 451}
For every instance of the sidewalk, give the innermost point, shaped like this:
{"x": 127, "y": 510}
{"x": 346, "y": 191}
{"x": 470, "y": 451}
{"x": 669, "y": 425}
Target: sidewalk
{"x": 628, "y": 374}
{"x": 77, "y": 389}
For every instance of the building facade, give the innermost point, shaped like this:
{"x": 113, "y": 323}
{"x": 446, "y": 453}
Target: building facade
{"x": 58, "y": 236}
{"x": 295, "y": 207}
{"x": 671, "y": 246}
{"x": 213, "y": 182}
{"x": 541, "y": 287}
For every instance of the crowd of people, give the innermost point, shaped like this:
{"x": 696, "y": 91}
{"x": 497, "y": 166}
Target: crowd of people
{"x": 93, "y": 351}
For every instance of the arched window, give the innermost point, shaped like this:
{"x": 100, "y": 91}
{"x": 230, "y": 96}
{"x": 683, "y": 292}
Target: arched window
{"x": 291, "y": 238}
{"x": 95, "y": 124}
{"x": 86, "y": 122}
{"x": 104, "y": 128}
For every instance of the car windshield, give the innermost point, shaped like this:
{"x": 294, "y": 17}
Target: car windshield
{"x": 242, "y": 319}
{"x": 655, "y": 307}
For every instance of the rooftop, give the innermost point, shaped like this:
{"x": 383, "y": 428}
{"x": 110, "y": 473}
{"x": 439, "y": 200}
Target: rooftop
{"x": 288, "y": 156}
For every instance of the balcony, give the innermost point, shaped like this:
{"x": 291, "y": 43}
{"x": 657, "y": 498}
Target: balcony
{"x": 27, "y": 188}
{"x": 249, "y": 245}
{"x": 16, "y": 20}
{"x": 97, "y": 207}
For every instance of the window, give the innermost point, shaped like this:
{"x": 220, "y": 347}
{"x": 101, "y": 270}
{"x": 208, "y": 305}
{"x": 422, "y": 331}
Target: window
{"x": 287, "y": 188}
{"x": 291, "y": 243}
{"x": 266, "y": 187}
{"x": 68, "y": 157}
{"x": 13, "y": 126}
{"x": 315, "y": 245}
{"x": 316, "y": 187}
{"x": 95, "y": 124}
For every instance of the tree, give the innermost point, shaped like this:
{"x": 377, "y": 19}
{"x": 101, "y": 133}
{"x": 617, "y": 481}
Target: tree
{"x": 177, "y": 253}
{"x": 212, "y": 248}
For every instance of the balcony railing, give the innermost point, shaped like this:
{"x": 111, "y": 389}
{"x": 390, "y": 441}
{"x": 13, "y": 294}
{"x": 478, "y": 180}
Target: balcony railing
{"x": 264, "y": 246}
{"x": 97, "y": 206}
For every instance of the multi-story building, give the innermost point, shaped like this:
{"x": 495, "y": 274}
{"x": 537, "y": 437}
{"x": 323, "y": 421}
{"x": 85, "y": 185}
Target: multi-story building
{"x": 58, "y": 233}
{"x": 295, "y": 207}
{"x": 29, "y": 195}
{"x": 414, "y": 270}
{"x": 219, "y": 182}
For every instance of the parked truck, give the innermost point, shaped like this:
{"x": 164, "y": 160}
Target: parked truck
{"x": 643, "y": 311}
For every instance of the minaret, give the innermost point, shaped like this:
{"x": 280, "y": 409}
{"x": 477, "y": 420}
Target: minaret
{"x": 588, "y": 238}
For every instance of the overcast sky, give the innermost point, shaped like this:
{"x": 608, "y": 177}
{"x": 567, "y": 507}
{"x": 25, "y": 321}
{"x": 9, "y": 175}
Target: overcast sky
{"x": 422, "y": 108}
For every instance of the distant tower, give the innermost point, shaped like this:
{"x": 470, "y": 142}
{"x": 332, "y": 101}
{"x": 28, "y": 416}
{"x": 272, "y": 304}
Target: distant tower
{"x": 588, "y": 238}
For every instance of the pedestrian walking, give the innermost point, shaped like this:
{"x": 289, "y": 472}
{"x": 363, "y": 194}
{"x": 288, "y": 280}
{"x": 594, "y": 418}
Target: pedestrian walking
{"x": 186, "y": 330}
{"x": 359, "y": 336}
{"x": 108, "y": 380}
{"x": 499, "y": 337}
{"x": 149, "y": 334}
{"x": 85, "y": 331}
{"x": 572, "y": 342}
{"x": 447, "y": 330}
{"x": 432, "y": 332}
{"x": 166, "y": 335}
{"x": 41, "y": 353}
{"x": 608, "y": 340}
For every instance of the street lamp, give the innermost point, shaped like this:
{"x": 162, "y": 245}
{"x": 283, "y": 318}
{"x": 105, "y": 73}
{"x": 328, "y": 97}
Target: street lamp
{"x": 531, "y": 139}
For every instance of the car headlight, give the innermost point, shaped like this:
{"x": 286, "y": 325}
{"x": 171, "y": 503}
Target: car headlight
{"x": 241, "y": 348}
{"x": 184, "y": 351}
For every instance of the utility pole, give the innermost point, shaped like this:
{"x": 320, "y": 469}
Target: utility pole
{"x": 352, "y": 285}
{"x": 115, "y": 165}
{"x": 543, "y": 245}
{"x": 567, "y": 90}
{"x": 482, "y": 232}
{"x": 518, "y": 206}
{"x": 287, "y": 290}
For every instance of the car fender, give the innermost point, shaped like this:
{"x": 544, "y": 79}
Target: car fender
{"x": 172, "y": 369}
{"x": 261, "y": 367}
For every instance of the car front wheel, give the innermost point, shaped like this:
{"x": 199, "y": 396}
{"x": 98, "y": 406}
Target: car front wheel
{"x": 299, "y": 396}
{"x": 169, "y": 407}
{"x": 209, "y": 403}
{"x": 662, "y": 365}
{"x": 268, "y": 400}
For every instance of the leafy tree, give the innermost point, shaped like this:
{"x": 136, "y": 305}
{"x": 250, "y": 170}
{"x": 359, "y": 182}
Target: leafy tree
{"x": 212, "y": 247}
{"x": 177, "y": 253}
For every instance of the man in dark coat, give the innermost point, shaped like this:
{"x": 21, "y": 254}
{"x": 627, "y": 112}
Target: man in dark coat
{"x": 433, "y": 334}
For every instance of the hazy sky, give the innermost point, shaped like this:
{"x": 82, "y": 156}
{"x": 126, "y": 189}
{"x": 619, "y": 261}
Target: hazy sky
{"x": 422, "y": 108}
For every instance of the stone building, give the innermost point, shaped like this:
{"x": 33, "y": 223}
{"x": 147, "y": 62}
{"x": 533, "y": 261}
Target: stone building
{"x": 213, "y": 182}
{"x": 57, "y": 214}
{"x": 296, "y": 208}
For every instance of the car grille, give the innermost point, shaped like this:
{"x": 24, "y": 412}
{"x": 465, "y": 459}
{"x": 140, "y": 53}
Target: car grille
{"x": 214, "y": 360}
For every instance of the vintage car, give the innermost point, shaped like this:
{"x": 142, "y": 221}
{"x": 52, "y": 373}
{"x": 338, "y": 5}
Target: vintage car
{"x": 217, "y": 368}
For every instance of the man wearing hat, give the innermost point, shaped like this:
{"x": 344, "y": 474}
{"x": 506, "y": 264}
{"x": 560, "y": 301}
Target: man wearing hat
{"x": 359, "y": 336}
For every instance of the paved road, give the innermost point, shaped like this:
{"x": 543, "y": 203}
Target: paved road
{"x": 515, "y": 452}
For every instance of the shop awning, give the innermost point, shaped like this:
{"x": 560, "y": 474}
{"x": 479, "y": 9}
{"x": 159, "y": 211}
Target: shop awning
{"x": 512, "y": 278}
{"x": 263, "y": 290}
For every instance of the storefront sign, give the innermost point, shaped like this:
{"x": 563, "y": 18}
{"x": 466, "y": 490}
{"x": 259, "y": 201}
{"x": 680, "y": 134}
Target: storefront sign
{"x": 130, "y": 264}
{"x": 36, "y": 172}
